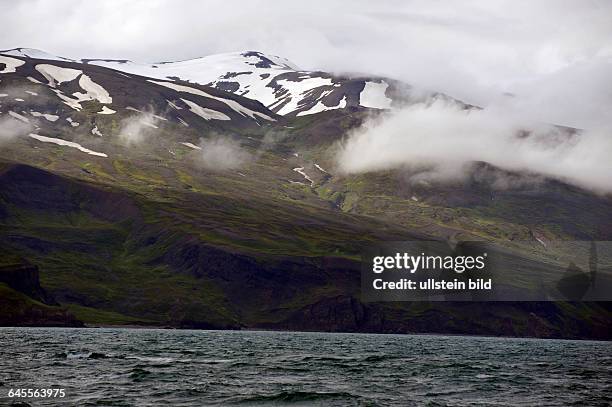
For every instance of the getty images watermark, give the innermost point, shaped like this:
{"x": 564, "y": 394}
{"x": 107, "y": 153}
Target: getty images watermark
{"x": 477, "y": 271}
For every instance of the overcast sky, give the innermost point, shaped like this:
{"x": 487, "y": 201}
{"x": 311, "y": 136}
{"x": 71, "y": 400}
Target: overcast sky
{"x": 556, "y": 56}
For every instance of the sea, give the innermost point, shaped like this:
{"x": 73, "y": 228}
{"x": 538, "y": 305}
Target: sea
{"x": 164, "y": 367}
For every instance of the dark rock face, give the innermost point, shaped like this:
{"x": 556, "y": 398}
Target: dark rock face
{"x": 531, "y": 319}
{"x": 25, "y": 279}
{"x": 338, "y": 314}
{"x": 16, "y": 311}
{"x": 271, "y": 284}
{"x": 263, "y": 61}
{"x": 23, "y": 302}
{"x": 229, "y": 86}
{"x": 268, "y": 282}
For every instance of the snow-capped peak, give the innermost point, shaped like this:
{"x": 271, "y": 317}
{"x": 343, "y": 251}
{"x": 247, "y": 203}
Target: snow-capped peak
{"x": 202, "y": 70}
{"x": 276, "y": 82}
{"x": 33, "y": 53}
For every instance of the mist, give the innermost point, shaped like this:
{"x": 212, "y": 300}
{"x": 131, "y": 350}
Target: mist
{"x": 10, "y": 128}
{"x": 221, "y": 154}
{"x": 136, "y": 129}
{"x": 440, "y": 141}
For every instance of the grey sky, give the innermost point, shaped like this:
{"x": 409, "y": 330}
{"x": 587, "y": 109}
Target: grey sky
{"x": 556, "y": 56}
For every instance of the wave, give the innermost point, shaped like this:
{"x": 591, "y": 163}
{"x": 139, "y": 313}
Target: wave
{"x": 81, "y": 355}
{"x": 296, "y": 397}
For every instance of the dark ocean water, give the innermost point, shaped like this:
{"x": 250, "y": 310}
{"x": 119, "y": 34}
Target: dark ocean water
{"x": 142, "y": 367}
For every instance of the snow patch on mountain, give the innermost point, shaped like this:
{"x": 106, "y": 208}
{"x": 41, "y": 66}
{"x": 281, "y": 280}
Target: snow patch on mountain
{"x": 33, "y": 80}
{"x": 295, "y": 90}
{"x": 96, "y": 132}
{"x": 190, "y": 145}
{"x": 320, "y": 169}
{"x": 56, "y": 75}
{"x": 205, "y": 113}
{"x": 49, "y": 117}
{"x": 72, "y": 122}
{"x": 33, "y": 53}
{"x": 71, "y": 144}
{"x": 232, "y": 104}
{"x": 374, "y": 95}
{"x": 73, "y": 103}
{"x": 10, "y": 64}
{"x": 106, "y": 110}
{"x": 93, "y": 91}
{"x": 148, "y": 124}
{"x": 173, "y": 105}
{"x": 320, "y": 107}
{"x": 300, "y": 170}
{"x": 19, "y": 117}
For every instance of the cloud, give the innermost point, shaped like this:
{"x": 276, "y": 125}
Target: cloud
{"x": 135, "y": 129}
{"x": 11, "y": 128}
{"x": 441, "y": 141}
{"x": 544, "y": 52}
{"x": 221, "y": 154}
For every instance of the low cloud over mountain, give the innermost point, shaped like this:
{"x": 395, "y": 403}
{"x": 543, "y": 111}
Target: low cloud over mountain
{"x": 439, "y": 141}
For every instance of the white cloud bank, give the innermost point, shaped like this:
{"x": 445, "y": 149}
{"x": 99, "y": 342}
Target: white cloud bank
{"x": 441, "y": 140}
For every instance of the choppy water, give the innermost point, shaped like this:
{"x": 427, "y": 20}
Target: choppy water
{"x": 189, "y": 368}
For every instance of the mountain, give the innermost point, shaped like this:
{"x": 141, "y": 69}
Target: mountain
{"x": 74, "y": 83}
{"x": 169, "y": 199}
{"x": 276, "y": 82}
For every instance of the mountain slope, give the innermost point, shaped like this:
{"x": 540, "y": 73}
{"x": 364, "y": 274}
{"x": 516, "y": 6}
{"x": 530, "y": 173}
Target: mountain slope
{"x": 169, "y": 258}
{"x": 102, "y": 112}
